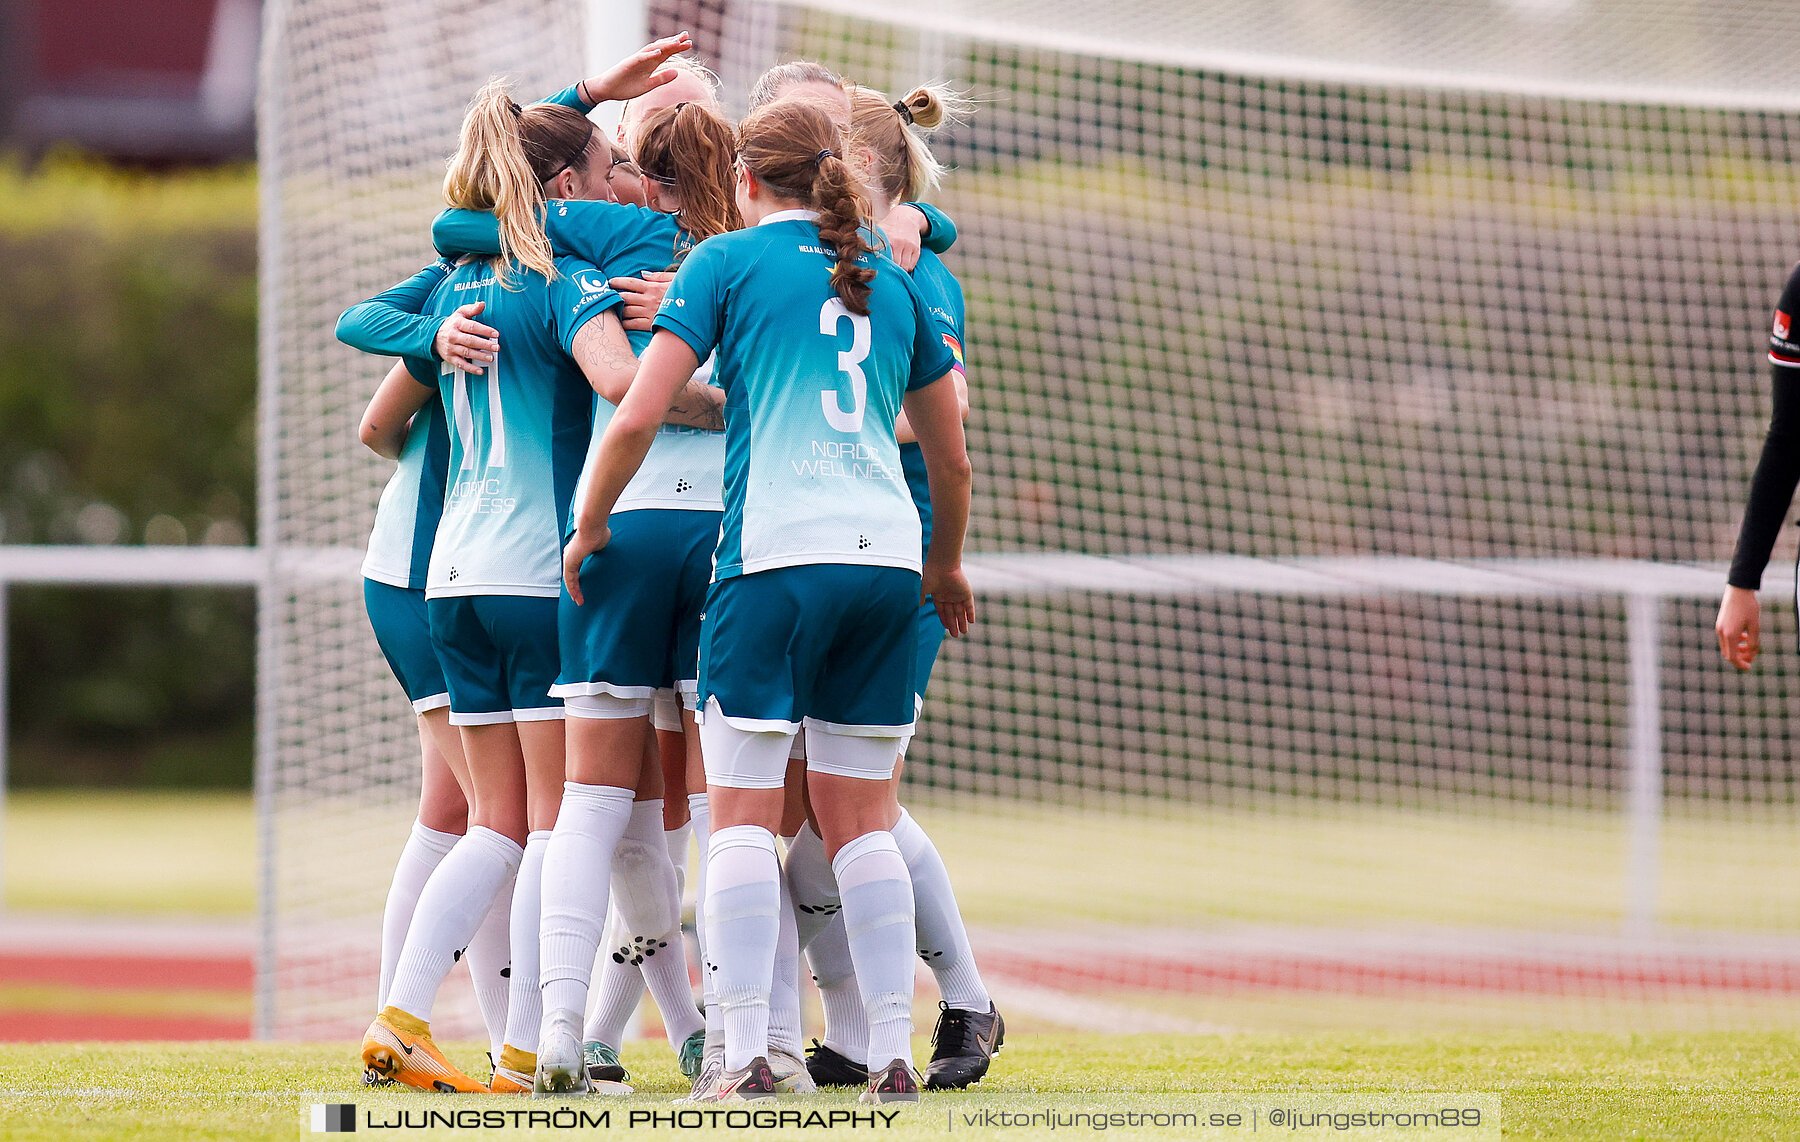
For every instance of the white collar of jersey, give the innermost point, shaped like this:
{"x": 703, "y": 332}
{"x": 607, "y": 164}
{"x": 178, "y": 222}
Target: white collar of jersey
{"x": 790, "y": 216}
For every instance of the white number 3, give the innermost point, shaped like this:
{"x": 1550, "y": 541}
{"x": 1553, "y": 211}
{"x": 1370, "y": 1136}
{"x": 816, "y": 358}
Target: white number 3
{"x": 849, "y": 362}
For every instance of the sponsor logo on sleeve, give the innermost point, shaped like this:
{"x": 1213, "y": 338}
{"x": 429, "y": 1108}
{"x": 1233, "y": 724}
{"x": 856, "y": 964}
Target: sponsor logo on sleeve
{"x": 590, "y": 281}
{"x": 1783, "y": 323}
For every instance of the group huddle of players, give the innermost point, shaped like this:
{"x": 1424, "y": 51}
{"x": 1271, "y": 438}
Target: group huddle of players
{"x": 673, "y": 540}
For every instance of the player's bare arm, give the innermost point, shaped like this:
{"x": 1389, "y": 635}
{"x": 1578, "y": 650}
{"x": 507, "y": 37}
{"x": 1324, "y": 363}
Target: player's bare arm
{"x": 390, "y": 411}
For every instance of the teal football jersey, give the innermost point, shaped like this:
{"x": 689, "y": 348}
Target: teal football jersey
{"x": 944, "y": 299}
{"x": 685, "y": 467}
{"x": 517, "y": 432}
{"x": 812, "y": 469}
{"x": 406, "y": 518}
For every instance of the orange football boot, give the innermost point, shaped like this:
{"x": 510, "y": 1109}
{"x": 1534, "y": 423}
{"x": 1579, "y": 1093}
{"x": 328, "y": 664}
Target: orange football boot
{"x": 513, "y": 1073}
{"x": 398, "y": 1046}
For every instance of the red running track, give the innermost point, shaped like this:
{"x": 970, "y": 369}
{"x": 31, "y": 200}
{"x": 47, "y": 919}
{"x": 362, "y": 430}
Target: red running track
{"x": 227, "y": 978}
{"x": 1208, "y": 972}
{"x": 1637, "y": 975}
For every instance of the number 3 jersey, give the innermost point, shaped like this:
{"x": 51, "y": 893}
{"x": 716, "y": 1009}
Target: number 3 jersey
{"x": 518, "y": 431}
{"x": 812, "y": 469}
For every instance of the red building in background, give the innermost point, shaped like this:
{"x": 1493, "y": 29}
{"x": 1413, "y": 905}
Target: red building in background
{"x": 139, "y": 80}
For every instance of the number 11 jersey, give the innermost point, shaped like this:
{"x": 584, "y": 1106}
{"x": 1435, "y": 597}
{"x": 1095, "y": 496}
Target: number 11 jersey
{"x": 518, "y": 430}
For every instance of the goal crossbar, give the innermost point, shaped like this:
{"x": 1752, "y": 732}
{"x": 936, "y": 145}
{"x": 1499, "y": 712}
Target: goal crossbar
{"x": 1011, "y": 574}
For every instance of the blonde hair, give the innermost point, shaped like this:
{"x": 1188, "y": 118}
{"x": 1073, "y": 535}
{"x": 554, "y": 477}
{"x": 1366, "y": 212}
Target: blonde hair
{"x": 503, "y": 157}
{"x": 698, "y": 70}
{"x": 894, "y": 134}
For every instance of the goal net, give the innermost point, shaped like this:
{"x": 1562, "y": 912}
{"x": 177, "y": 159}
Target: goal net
{"x": 1365, "y": 394}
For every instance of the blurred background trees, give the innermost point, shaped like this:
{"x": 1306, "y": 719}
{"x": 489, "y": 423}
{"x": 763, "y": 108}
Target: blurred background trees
{"x": 128, "y": 415}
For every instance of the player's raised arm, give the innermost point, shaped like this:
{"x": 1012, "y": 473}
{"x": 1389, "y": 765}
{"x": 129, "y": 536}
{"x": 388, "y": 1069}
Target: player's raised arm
{"x": 637, "y": 74}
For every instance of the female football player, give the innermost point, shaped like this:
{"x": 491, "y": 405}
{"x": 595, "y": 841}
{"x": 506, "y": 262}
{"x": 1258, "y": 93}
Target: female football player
{"x": 517, "y": 437}
{"x": 811, "y": 617}
{"x": 898, "y": 164}
{"x": 640, "y": 633}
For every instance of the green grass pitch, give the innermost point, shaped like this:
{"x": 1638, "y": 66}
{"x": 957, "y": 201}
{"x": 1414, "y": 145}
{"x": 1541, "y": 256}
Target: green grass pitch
{"x": 1549, "y": 1085}
{"x": 1595, "y": 1084}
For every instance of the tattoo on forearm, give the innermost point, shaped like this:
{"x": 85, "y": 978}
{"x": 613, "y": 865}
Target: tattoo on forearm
{"x": 698, "y": 404}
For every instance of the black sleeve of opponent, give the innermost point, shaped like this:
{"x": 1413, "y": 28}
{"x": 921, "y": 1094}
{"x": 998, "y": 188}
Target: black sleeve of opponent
{"x": 1778, "y": 471}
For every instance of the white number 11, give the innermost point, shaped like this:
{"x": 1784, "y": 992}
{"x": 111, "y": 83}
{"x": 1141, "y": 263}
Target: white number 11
{"x": 464, "y": 416}
{"x": 849, "y": 362}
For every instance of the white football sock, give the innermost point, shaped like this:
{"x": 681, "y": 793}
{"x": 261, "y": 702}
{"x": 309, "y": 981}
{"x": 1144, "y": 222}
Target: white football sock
{"x": 679, "y": 841}
{"x": 784, "y": 996}
{"x": 490, "y": 966}
{"x": 743, "y": 903}
{"x": 577, "y": 869}
{"x": 943, "y": 941}
{"x": 878, "y": 921}
{"x": 650, "y": 890}
{"x": 846, "y": 1020}
{"x": 451, "y": 907}
{"x": 647, "y": 899}
{"x": 814, "y": 888}
{"x": 665, "y": 970}
{"x": 524, "y": 1004}
{"x": 619, "y": 987}
{"x": 644, "y": 891}
{"x": 423, "y": 850}
{"x": 821, "y": 933}
{"x": 700, "y": 817}
{"x": 676, "y": 841}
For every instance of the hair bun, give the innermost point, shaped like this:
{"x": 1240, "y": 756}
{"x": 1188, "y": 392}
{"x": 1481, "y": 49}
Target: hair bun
{"x": 922, "y": 107}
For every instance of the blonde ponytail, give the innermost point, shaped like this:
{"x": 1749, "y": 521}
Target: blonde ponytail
{"x": 491, "y": 171}
{"x": 894, "y": 134}
{"x": 932, "y": 104}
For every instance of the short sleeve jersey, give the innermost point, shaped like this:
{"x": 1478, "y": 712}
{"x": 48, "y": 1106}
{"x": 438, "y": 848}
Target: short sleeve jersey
{"x": 812, "y": 469}
{"x": 944, "y": 300}
{"x": 685, "y": 466}
{"x": 517, "y": 432}
{"x": 1784, "y": 338}
{"x": 407, "y": 517}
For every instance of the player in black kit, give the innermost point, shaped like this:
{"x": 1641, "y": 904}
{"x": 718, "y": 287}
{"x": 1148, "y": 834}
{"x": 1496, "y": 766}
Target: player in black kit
{"x": 1771, "y": 489}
